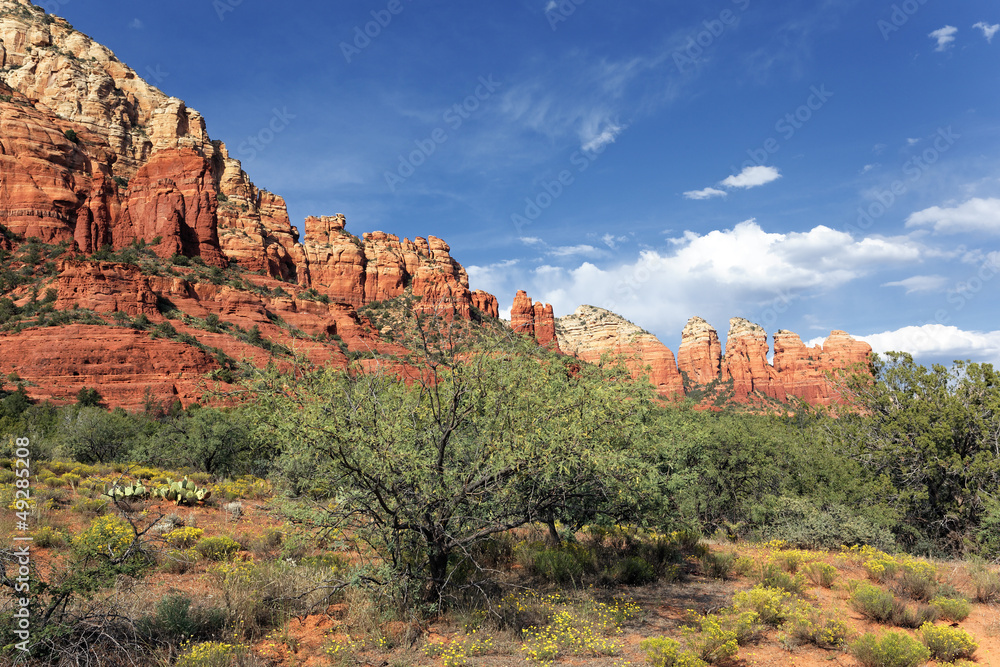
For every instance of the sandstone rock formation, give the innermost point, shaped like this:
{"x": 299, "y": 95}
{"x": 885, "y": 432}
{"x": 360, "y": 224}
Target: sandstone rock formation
{"x": 590, "y": 333}
{"x": 805, "y": 372}
{"x": 746, "y": 364}
{"x": 700, "y": 354}
{"x": 537, "y": 321}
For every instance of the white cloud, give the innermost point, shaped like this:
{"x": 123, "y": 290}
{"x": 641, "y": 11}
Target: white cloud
{"x": 136, "y": 24}
{"x": 975, "y": 215}
{"x": 707, "y": 193}
{"x": 594, "y": 141}
{"x": 530, "y": 240}
{"x": 752, "y": 177}
{"x": 945, "y": 37}
{"x": 869, "y": 167}
{"x": 612, "y": 241}
{"x": 912, "y": 142}
{"x": 552, "y": 6}
{"x": 920, "y": 284}
{"x": 569, "y": 251}
{"x": 938, "y": 341}
{"x": 739, "y": 271}
{"x": 988, "y": 30}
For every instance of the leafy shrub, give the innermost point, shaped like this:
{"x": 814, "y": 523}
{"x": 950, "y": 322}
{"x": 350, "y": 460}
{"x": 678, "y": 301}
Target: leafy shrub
{"x": 918, "y": 585}
{"x": 947, "y": 644}
{"x": 821, "y": 574}
{"x": 808, "y": 625}
{"x": 719, "y": 564}
{"x": 174, "y": 619}
{"x": 666, "y": 652}
{"x": 184, "y": 537}
{"x": 559, "y": 566}
{"x": 106, "y": 537}
{"x": 953, "y": 609}
{"x": 634, "y": 571}
{"x": 893, "y": 649}
{"x": 914, "y": 616}
{"x": 875, "y": 604}
{"x": 773, "y": 576}
{"x": 96, "y": 506}
{"x": 218, "y": 548}
{"x": 47, "y": 536}
{"x": 769, "y": 603}
{"x": 712, "y": 642}
{"x": 179, "y": 561}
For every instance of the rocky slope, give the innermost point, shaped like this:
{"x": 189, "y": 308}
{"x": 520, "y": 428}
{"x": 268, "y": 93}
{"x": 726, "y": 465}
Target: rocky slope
{"x": 94, "y": 158}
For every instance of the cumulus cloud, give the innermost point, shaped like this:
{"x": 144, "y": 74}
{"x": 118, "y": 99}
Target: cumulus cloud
{"x": 739, "y": 271}
{"x": 988, "y": 30}
{"x": 945, "y": 37}
{"x": 752, "y": 177}
{"x": 975, "y": 215}
{"x": 938, "y": 341}
{"x": 918, "y": 284}
{"x": 707, "y": 193}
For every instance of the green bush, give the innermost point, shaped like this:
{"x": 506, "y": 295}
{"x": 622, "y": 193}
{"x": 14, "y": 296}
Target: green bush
{"x": 769, "y": 603}
{"x": 175, "y": 620}
{"x": 875, "y": 604}
{"x": 773, "y": 576}
{"x": 821, "y": 574}
{"x": 633, "y": 571}
{"x": 953, "y": 609}
{"x": 893, "y": 649}
{"x": 47, "y": 536}
{"x": 559, "y": 566}
{"x": 947, "y": 644}
{"x": 719, "y": 564}
{"x": 986, "y": 582}
{"x": 917, "y": 584}
{"x": 218, "y": 548}
{"x": 212, "y": 654}
{"x": 914, "y": 616}
{"x": 666, "y": 652}
{"x": 712, "y": 642}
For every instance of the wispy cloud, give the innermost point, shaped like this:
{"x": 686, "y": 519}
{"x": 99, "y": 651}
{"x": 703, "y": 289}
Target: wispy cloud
{"x": 576, "y": 250}
{"x": 707, "y": 193}
{"x": 530, "y": 240}
{"x": 606, "y": 136}
{"x": 918, "y": 284}
{"x": 869, "y": 167}
{"x": 945, "y": 37}
{"x": 988, "y": 30}
{"x": 752, "y": 177}
{"x": 136, "y": 24}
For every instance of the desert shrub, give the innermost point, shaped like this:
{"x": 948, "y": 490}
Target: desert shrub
{"x": 106, "y": 537}
{"x": 893, "y": 649}
{"x": 985, "y": 581}
{"x": 47, "y": 536}
{"x": 917, "y": 584}
{"x": 821, "y": 574}
{"x": 184, "y": 538}
{"x": 808, "y": 525}
{"x": 179, "y": 561}
{"x": 947, "y": 644}
{"x": 790, "y": 560}
{"x": 633, "y": 571}
{"x": 952, "y": 609}
{"x": 769, "y": 603}
{"x": 96, "y": 506}
{"x": 875, "y": 604}
{"x": 773, "y": 576}
{"x": 217, "y": 548}
{"x": 808, "y": 625}
{"x": 712, "y": 641}
{"x": 71, "y": 479}
{"x": 666, "y": 652}
{"x": 54, "y": 482}
{"x": 175, "y": 620}
{"x": 59, "y": 467}
{"x": 719, "y": 564}
{"x": 212, "y": 654}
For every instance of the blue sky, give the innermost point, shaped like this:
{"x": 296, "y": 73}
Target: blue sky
{"x": 812, "y": 166}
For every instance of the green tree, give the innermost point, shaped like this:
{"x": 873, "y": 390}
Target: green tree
{"x": 934, "y": 436}
{"x": 473, "y": 442}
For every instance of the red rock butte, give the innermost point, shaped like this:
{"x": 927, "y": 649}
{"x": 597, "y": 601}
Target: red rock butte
{"x": 96, "y": 159}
